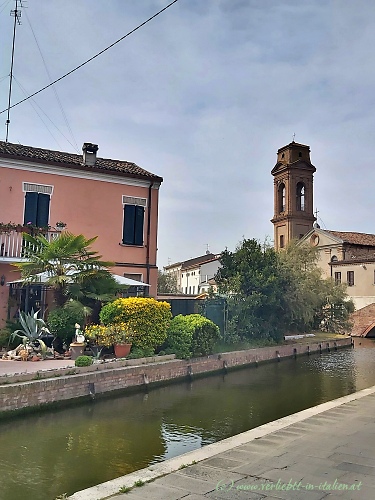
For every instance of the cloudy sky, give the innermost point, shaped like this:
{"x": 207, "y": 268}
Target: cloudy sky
{"x": 203, "y": 96}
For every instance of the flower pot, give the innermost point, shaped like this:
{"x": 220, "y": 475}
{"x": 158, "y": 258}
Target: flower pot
{"x": 77, "y": 349}
{"x": 122, "y": 350}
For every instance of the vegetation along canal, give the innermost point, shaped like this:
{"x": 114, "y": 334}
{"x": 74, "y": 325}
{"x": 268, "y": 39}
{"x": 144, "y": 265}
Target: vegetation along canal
{"x": 45, "y": 455}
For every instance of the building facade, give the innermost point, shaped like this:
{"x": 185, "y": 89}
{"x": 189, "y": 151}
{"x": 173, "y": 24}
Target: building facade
{"x": 193, "y": 275}
{"x": 112, "y": 199}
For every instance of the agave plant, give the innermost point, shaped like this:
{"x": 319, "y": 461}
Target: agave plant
{"x": 32, "y": 329}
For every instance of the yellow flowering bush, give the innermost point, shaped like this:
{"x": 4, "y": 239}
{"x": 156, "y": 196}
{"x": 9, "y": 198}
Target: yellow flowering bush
{"x": 102, "y": 335}
{"x": 146, "y": 319}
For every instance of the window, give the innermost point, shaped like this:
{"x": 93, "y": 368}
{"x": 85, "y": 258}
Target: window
{"x": 134, "y": 276}
{"x": 300, "y": 154}
{"x": 134, "y": 215}
{"x": 300, "y": 193}
{"x": 281, "y": 241}
{"x": 337, "y": 278}
{"x": 350, "y": 278}
{"x": 334, "y": 258}
{"x": 193, "y": 290}
{"x": 36, "y": 209}
{"x": 281, "y": 198}
{"x": 301, "y": 236}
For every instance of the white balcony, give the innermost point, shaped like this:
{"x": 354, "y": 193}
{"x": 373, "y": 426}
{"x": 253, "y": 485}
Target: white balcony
{"x": 12, "y": 245}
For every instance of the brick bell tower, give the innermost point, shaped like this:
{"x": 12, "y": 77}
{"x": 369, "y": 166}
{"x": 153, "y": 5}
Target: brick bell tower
{"x": 293, "y": 194}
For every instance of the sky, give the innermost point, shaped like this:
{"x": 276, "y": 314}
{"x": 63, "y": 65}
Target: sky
{"x": 204, "y": 96}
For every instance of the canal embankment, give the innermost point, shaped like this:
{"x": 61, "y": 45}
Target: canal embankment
{"x": 326, "y": 450}
{"x": 30, "y": 391}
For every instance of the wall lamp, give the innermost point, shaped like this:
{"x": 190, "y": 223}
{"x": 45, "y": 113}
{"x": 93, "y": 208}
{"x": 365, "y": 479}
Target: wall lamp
{"x": 2, "y": 280}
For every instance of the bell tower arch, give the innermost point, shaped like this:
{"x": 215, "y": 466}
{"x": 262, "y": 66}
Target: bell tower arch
{"x": 293, "y": 194}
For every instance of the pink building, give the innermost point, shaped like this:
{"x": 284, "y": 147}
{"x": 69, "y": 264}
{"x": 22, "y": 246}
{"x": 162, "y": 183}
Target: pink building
{"x": 114, "y": 200}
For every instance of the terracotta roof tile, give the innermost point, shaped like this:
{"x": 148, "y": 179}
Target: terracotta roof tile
{"x": 354, "y": 238}
{"x": 66, "y": 160}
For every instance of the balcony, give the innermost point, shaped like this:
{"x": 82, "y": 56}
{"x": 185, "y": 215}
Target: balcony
{"x": 12, "y": 245}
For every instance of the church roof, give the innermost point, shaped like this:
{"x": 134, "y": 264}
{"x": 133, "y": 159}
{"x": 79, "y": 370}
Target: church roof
{"x": 71, "y": 160}
{"x": 354, "y": 238}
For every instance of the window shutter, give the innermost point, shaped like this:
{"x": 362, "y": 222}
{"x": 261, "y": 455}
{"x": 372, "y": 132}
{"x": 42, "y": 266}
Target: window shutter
{"x": 43, "y": 210}
{"x": 31, "y": 208}
{"x": 138, "y": 228}
{"x": 129, "y": 222}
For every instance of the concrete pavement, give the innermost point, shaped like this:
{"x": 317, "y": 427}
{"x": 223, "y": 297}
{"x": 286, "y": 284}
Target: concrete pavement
{"x": 327, "y": 451}
{"x": 16, "y": 367}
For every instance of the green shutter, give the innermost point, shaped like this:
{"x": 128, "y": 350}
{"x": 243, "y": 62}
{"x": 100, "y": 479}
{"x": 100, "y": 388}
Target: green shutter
{"x": 31, "y": 208}
{"x": 138, "y": 228}
{"x": 43, "y": 210}
{"x": 129, "y": 223}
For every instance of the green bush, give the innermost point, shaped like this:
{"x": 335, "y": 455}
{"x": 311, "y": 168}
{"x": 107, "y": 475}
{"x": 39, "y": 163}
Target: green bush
{"x": 61, "y": 320}
{"x": 137, "y": 353}
{"x": 84, "y": 361}
{"x": 147, "y": 319}
{"x": 5, "y": 337}
{"x": 191, "y": 335}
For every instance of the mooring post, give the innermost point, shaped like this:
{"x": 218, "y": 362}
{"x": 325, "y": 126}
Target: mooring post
{"x": 145, "y": 379}
{"x": 308, "y": 350}
{"x": 295, "y": 352}
{"x": 328, "y": 348}
{"x": 335, "y": 345}
{"x": 225, "y": 366}
{"x": 91, "y": 387}
{"x": 278, "y": 355}
{"x": 190, "y": 371}
{"x": 320, "y": 348}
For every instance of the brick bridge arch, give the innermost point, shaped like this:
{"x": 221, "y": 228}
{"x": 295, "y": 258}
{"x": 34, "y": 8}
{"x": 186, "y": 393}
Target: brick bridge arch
{"x": 363, "y": 321}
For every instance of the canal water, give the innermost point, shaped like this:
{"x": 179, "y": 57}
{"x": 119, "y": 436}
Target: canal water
{"x": 66, "y": 450}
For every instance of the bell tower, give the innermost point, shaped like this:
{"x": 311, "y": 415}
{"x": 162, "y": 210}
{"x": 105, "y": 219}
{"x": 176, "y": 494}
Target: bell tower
{"x": 293, "y": 194}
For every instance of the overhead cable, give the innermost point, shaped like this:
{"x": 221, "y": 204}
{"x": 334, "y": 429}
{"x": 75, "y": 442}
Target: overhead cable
{"x": 93, "y": 57}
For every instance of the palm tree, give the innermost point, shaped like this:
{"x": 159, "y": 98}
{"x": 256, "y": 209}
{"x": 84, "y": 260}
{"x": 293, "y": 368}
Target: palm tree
{"x": 66, "y": 260}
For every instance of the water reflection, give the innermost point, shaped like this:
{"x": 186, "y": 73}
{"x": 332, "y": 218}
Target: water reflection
{"x": 44, "y": 455}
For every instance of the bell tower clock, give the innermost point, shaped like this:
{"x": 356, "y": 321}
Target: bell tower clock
{"x": 293, "y": 194}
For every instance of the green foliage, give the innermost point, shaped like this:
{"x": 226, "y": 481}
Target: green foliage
{"x": 147, "y": 318}
{"x": 179, "y": 337}
{"x": 61, "y": 320}
{"x": 67, "y": 259}
{"x": 191, "y": 335}
{"x": 32, "y": 328}
{"x": 137, "y": 353}
{"x": 270, "y": 294}
{"x": 167, "y": 283}
{"x": 83, "y": 361}
{"x": 5, "y": 337}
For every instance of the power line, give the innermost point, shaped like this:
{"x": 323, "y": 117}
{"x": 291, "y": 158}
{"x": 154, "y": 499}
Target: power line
{"x": 53, "y": 88}
{"x": 93, "y": 57}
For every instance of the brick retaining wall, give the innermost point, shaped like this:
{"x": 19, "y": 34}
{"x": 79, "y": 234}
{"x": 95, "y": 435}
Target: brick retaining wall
{"x": 95, "y": 380}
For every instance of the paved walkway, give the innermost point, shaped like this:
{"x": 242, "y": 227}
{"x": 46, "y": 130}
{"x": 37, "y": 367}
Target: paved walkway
{"x": 11, "y": 367}
{"x": 327, "y": 451}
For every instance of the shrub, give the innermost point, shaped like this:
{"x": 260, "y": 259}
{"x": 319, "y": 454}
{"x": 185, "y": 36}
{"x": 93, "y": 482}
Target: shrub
{"x": 191, "y": 335}
{"x": 137, "y": 353}
{"x": 5, "y": 337}
{"x": 84, "y": 361}
{"x": 61, "y": 320}
{"x": 146, "y": 318}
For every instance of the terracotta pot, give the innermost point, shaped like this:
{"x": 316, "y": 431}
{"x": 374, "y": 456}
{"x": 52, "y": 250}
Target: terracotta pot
{"x": 122, "y": 350}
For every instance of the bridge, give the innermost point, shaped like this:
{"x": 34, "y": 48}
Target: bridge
{"x": 364, "y": 322}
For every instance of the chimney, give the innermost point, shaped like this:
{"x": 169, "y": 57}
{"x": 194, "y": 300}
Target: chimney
{"x": 89, "y": 153}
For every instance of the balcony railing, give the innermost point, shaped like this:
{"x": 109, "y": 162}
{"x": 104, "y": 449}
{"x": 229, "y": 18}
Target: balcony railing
{"x": 12, "y": 245}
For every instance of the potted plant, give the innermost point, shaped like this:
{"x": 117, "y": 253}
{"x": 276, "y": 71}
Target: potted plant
{"x": 32, "y": 332}
{"x": 99, "y": 337}
{"x": 122, "y": 339}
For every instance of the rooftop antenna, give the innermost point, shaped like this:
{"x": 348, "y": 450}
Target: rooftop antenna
{"x": 294, "y": 136}
{"x": 207, "y": 248}
{"x": 16, "y": 13}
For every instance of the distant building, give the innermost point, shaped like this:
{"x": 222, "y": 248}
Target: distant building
{"x": 112, "y": 199}
{"x": 193, "y": 275}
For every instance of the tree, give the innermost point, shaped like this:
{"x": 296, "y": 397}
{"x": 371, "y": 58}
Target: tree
{"x": 67, "y": 261}
{"x": 167, "y": 282}
{"x": 274, "y": 293}
{"x": 255, "y": 288}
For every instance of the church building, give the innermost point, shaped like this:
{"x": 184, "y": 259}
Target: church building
{"x": 346, "y": 257}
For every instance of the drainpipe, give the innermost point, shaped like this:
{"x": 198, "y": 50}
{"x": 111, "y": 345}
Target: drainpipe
{"x": 148, "y": 237}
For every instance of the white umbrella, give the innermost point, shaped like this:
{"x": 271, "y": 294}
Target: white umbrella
{"x": 121, "y": 280}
